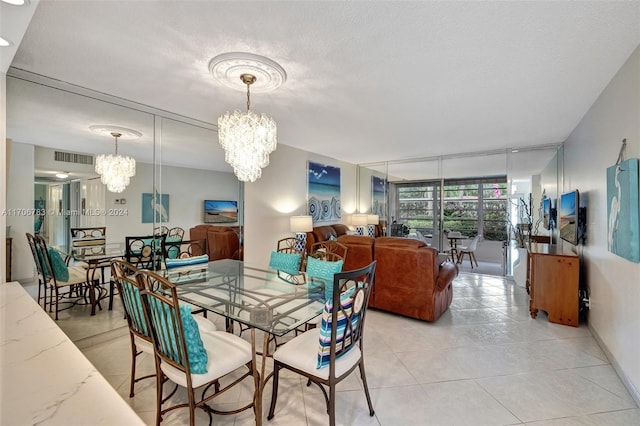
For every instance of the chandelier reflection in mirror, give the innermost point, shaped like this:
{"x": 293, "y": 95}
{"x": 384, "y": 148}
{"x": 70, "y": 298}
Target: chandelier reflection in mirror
{"x": 115, "y": 170}
{"x": 247, "y": 138}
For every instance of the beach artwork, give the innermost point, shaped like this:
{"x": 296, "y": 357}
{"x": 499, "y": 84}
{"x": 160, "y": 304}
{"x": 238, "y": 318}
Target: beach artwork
{"x": 623, "y": 231}
{"x": 323, "y": 192}
{"x": 378, "y": 197}
{"x": 158, "y": 208}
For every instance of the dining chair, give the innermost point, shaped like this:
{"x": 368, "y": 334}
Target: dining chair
{"x": 187, "y": 355}
{"x": 144, "y": 252}
{"x": 42, "y": 286}
{"x": 470, "y": 251}
{"x": 328, "y": 250}
{"x": 87, "y": 238}
{"x": 54, "y": 273}
{"x": 183, "y": 249}
{"x": 161, "y": 230}
{"x": 328, "y": 354}
{"x": 176, "y": 233}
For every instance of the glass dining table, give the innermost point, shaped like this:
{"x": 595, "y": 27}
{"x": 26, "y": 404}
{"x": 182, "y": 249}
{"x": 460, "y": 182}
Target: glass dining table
{"x": 259, "y": 299}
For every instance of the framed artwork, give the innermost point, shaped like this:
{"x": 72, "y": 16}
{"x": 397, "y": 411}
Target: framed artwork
{"x": 379, "y": 196}
{"x": 623, "y": 231}
{"x": 324, "y": 192}
{"x": 157, "y": 209}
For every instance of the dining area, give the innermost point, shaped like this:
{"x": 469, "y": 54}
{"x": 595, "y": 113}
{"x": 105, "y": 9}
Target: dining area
{"x": 250, "y": 323}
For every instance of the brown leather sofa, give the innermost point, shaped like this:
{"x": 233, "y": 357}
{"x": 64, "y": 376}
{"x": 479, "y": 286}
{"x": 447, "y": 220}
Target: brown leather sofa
{"x": 222, "y": 241}
{"x": 325, "y": 233}
{"x": 409, "y": 280}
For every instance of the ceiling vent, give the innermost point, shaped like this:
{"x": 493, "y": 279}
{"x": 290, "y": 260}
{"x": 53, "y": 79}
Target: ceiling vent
{"x": 70, "y": 157}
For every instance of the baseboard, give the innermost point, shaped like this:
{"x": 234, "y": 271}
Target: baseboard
{"x": 635, "y": 394}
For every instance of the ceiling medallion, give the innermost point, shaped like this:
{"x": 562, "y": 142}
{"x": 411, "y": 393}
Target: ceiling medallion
{"x": 108, "y": 130}
{"x": 228, "y": 67}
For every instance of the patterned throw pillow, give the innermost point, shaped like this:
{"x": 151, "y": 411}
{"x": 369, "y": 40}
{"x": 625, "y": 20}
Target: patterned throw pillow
{"x": 325, "y": 271}
{"x": 343, "y": 333}
{"x": 285, "y": 262}
{"x": 187, "y": 261}
{"x": 195, "y": 348}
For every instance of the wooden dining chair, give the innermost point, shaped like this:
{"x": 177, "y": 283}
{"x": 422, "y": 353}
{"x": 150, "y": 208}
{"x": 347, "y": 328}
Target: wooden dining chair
{"x": 330, "y": 353}
{"x": 176, "y": 233}
{"x": 144, "y": 252}
{"x": 328, "y": 250}
{"x": 183, "y": 249}
{"x": 187, "y": 355}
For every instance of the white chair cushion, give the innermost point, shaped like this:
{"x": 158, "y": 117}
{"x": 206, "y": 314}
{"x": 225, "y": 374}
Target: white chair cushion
{"x": 77, "y": 275}
{"x": 143, "y": 345}
{"x": 301, "y": 352}
{"x": 204, "y": 325}
{"x": 226, "y": 352}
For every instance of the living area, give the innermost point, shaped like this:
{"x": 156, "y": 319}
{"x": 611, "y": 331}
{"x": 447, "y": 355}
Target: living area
{"x": 480, "y": 345}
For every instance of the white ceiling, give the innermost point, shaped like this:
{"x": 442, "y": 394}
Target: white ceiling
{"x": 367, "y": 81}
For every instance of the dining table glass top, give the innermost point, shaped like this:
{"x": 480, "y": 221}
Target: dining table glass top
{"x": 253, "y": 296}
{"x": 93, "y": 253}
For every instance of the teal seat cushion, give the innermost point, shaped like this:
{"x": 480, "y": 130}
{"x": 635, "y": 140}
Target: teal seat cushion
{"x": 187, "y": 261}
{"x": 173, "y": 250}
{"x": 325, "y": 271}
{"x": 285, "y": 262}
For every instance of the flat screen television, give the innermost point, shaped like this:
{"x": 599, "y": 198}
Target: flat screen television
{"x": 569, "y": 211}
{"x": 220, "y": 211}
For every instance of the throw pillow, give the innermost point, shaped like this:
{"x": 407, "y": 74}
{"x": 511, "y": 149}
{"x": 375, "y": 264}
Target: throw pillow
{"x": 325, "y": 271}
{"x": 60, "y": 269}
{"x": 285, "y": 262}
{"x": 195, "y": 348}
{"x": 343, "y": 332}
{"x": 187, "y": 261}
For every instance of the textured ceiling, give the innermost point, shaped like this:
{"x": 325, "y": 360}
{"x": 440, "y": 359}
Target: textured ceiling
{"x": 367, "y": 81}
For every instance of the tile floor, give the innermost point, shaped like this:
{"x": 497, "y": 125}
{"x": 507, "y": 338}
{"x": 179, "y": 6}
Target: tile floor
{"x": 484, "y": 362}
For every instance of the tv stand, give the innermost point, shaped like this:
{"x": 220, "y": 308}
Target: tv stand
{"x": 552, "y": 283}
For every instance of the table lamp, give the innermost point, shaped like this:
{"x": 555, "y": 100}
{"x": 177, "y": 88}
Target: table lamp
{"x": 301, "y": 225}
{"x": 359, "y": 221}
{"x": 372, "y": 221}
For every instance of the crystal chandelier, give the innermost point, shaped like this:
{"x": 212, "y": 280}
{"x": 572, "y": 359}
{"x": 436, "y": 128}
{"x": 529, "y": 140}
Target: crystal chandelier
{"x": 247, "y": 138}
{"x": 115, "y": 170}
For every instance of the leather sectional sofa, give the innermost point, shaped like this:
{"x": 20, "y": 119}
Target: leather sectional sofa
{"x": 222, "y": 241}
{"x": 325, "y": 233}
{"x": 410, "y": 279}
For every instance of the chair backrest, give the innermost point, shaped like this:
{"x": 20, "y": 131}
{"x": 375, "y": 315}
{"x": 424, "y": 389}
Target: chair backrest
{"x": 97, "y": 233}
{"x": 176, "y": 232}
{"x": 127, "y": 285}
{"x": 36, "y": 256}
{"x": 45, "y": 269}
{"x": 144, "y": 252}
{"x": 161, "y": 306}
{"x": 346, "y": 312}
{"x": 329, "y": 250}
{"x": 474, "y": 243}
{"x": 288, "y": 245}
{"x": 160, "y": 230}
{"x": 183, "y": 249}
{"x": 454, "y": 234}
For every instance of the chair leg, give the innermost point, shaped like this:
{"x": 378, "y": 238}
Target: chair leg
{"x": 274, "y": 394}
{"x": 473, "y": 255}
{"x": 111, "y": 289}
{"x": 332, "y": 404}
{"x": 159, "y": 384}
{"x": 363, "y": 376}
{"x": 192, "y": 407}
{"x": 57, "y": 302}
{"x": 133, "y": 366}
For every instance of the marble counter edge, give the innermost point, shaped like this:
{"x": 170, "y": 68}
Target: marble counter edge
{"x": 44, "y": 377}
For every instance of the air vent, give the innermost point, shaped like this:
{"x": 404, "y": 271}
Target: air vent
{"x": 70, "y": 157}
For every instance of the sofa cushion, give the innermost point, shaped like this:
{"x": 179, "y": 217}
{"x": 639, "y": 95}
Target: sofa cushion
{"x": 324, "y": 233}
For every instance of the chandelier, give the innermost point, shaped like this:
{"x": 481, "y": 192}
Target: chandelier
{"x": 115, "y": 170}
{"x": 247, "y": 138}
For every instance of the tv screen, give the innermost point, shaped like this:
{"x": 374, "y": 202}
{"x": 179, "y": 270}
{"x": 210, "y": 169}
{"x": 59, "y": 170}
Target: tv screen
{"x": 569, "y": 207}
{"x": 217, "y": 211}
{"x": 546, "y": 213}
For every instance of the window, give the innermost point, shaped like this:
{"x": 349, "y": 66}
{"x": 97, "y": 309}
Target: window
{"x": 471, "y": 206}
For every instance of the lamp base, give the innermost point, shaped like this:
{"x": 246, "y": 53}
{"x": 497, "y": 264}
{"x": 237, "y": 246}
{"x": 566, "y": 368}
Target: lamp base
{"x": 360, "y": 230}
{"x": 371, "y": 230}
{"x": 301, "y": 244}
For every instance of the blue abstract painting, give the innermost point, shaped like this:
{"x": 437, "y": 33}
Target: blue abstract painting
{"x": 623, "y": 231}
{"x": 324, "y": 192}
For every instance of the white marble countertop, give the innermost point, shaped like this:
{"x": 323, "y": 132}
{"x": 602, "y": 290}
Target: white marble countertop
{"x": 44, "y": 378}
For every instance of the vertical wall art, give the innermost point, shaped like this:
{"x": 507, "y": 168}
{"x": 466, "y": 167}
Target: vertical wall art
{"x": 623, "y": 231}
{"x": 379, "y": 197}
{"x": 324, "y": 192}
{"x": 160, "y": 208}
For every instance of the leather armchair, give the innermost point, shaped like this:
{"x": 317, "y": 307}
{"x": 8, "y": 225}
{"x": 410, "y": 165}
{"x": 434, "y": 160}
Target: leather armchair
{"x": 222, "y": 241}
{"x": 410, "y": 280}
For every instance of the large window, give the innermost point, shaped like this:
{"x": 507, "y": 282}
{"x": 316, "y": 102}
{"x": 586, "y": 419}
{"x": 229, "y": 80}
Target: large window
{"x": 471, "y": 206}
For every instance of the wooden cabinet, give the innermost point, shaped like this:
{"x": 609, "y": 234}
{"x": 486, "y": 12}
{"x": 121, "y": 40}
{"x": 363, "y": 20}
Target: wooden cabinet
{"x": 552, "y": 283}
{"x": 8, "y": 260}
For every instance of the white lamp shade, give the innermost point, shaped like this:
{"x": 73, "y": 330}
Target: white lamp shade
{"x": 301, "y": 223}
{"x": 373, "y": 219}
{"x": 359, "y": 219}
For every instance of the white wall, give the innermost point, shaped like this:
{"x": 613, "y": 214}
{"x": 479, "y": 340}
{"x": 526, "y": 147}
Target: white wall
{"x": 3, "y": 175}
{"x": 20, "y": 192}
{"x": 282, "y": 192}
{"x": 614, "y": 282}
